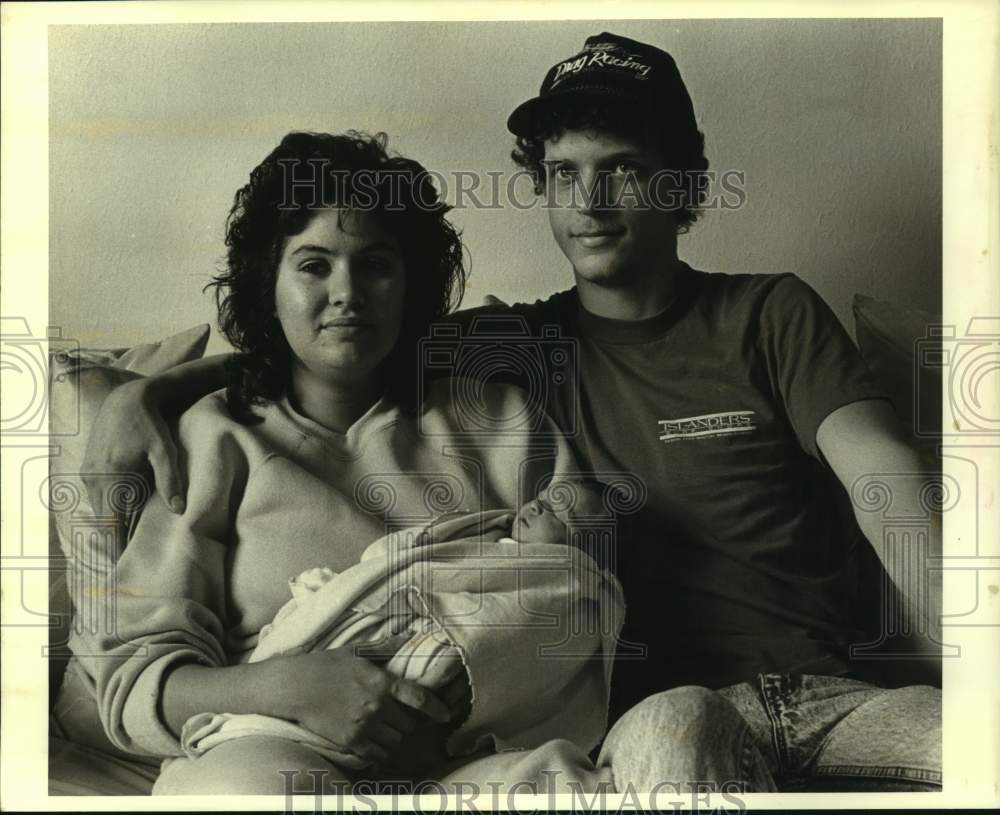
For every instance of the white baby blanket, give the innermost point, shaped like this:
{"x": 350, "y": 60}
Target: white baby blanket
{"x": 534, "y": 624}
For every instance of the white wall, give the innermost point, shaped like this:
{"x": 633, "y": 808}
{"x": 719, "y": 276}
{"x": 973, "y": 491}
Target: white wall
{"x": 836, "y": 123}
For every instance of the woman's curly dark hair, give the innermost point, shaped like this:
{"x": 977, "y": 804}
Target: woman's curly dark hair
{"x": 683, "y": 151}
{"x": 310, "y": 171}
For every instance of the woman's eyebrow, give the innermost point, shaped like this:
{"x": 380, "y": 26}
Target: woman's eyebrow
{"x": 312, "y": 247}
{"x": 376, "y": 246}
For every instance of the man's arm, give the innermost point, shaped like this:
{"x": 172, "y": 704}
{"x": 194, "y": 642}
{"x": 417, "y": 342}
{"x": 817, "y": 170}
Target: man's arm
{"x": 130, "y": 429}
{"x": 864, "y": 443}
{"x": 130, "y": 432}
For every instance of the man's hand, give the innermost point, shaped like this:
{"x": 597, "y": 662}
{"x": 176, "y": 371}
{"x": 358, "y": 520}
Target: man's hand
{"x": 130, "y": 436}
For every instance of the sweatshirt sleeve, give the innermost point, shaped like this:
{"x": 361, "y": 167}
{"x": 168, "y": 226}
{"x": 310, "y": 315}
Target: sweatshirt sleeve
{"x": 166, "y": 597}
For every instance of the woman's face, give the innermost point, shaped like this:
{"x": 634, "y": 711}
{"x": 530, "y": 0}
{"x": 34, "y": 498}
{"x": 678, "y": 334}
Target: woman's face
{"x": 339, "y": 296}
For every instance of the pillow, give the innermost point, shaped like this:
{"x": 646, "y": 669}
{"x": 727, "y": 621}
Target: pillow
{"x": 155, "y": 357}
{"x": 889, "y": 336}
{"x": 79, "y": 382}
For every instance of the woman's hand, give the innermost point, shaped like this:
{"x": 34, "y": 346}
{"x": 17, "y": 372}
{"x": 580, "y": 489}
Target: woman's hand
{"x": 352, "y": 701}
{"x": 424, "y": 750}
{"x": 457, "y": 695}
{"x": 130, "y": 435}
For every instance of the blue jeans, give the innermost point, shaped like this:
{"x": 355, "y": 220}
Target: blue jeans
{"x": 783, "y": 732}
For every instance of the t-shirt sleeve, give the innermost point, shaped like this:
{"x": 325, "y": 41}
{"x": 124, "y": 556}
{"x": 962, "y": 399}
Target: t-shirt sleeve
{"x": 166, "y": 597}
{"x": 813, "y": 365}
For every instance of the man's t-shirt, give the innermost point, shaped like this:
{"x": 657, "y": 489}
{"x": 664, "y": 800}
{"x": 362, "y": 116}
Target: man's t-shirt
{"x": 737, "y": 561}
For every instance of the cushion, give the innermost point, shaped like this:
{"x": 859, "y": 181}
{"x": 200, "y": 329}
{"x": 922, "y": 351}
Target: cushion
{"x": 75, "y": 769}
{"x": 890, "y": 336}
{"x": 153, "y": 357}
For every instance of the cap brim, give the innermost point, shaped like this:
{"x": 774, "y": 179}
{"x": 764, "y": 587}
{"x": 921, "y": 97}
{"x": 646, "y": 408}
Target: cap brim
{"x": 522, "y": 121}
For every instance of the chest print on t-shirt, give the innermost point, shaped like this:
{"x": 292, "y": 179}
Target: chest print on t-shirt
{"x": 707, "y": 425}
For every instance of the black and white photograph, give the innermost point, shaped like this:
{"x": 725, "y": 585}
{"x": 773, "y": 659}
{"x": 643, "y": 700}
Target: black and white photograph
{"x": 598, "y": 411}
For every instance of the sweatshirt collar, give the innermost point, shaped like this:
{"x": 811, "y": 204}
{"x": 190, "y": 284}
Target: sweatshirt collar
{"x": 380, "y": 414}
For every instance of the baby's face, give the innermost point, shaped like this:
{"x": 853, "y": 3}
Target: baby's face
{"x": 535, "y": 522}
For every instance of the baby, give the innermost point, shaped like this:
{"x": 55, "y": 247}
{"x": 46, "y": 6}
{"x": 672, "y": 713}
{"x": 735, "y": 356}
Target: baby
{"x": 536, "y": 522}
{"x": 543, "y": 519}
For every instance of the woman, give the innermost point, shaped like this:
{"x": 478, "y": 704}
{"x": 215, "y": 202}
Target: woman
{"x": 339, "y": 258}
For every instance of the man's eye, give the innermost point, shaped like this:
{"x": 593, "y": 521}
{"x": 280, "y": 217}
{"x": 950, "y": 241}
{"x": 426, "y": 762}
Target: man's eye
{"x": 627, "y": 168}
{"x": 563, "y": 173}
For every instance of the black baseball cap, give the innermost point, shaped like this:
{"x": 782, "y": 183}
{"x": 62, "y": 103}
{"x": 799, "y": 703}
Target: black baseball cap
{"x": 611, "y": 67}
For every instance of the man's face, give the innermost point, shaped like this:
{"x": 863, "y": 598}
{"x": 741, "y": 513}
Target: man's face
{"x": 619, "y": 235}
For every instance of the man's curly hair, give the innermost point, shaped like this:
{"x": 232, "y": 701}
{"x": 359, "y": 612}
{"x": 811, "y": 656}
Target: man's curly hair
{"x": 683, "y": 151}
{"x": 311, "y": 171}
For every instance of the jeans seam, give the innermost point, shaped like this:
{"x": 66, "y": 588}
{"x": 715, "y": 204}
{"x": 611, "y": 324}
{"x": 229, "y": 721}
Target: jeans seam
{"x": 901, "y": 773}
{"x": 746, "y": 756}
{"x": 774, "y": 709}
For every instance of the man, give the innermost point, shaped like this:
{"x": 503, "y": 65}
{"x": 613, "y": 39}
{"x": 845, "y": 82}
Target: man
{"x": 745, "y": 411}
